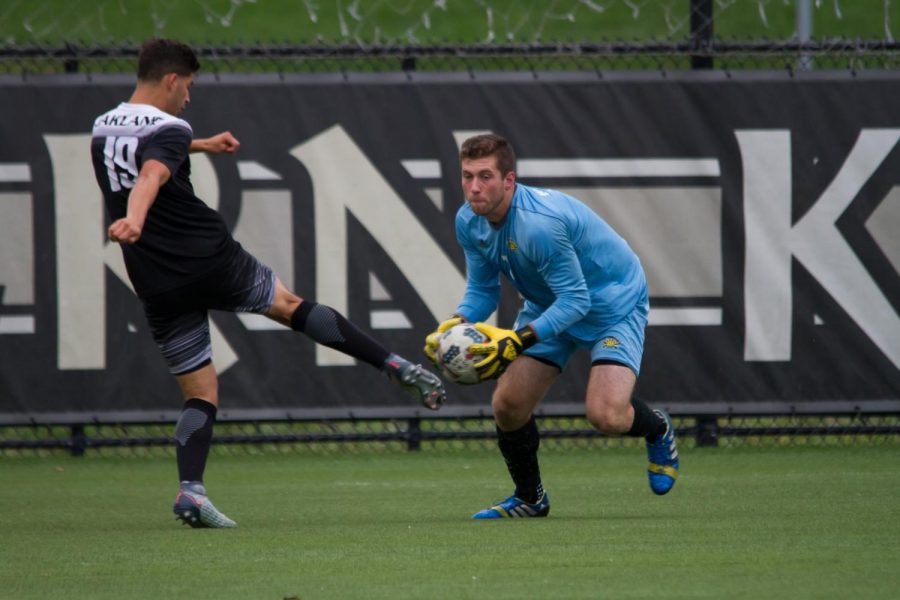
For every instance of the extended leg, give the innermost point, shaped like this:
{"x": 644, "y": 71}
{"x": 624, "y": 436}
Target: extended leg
{"x": 330, "y": 328}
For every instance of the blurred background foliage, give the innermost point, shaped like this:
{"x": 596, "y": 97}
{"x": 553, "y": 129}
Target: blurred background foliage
{"x": 225, "y": 22}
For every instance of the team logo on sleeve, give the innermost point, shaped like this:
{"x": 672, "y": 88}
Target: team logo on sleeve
{"x": 609, "y": 342}
{"x": 512, "y": 245}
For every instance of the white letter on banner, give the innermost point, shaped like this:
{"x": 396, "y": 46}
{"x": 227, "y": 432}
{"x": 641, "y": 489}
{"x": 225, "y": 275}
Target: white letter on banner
{"x": 344, "y": 180}
{"x": 813, "y": 240}
{"x": 766, "y": 159}
{"x": 82, "y": 252}
{"x": 81, "y": 293}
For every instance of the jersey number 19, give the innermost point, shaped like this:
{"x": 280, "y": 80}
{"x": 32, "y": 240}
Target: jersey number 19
{"x": 121, "y": 165}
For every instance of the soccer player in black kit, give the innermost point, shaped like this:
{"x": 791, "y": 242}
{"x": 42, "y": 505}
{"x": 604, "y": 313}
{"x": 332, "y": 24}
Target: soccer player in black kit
{"x": 183, "y": 261}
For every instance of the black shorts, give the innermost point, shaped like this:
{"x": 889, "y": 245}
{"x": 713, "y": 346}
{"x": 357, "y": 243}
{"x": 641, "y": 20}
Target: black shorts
{"x": 179, "y": 318}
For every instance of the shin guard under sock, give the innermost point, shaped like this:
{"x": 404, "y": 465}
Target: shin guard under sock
{"x": 519, "y": 449}
{"x": 328, "y": 327}
{"x": 193, "y": 435}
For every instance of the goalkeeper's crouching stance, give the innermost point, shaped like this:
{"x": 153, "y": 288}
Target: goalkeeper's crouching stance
{"x": 583, "y": 287}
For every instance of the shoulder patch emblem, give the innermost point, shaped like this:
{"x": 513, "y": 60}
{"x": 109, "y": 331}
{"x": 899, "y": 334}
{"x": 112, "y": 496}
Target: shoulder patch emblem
{"x": 610, "y": 342}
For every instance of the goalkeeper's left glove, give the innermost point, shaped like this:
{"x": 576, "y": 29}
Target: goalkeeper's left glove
{"x": 431, "y": 341}
{"x": 503, "y": 347}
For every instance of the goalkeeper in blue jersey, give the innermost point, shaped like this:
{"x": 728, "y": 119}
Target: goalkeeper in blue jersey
{"x": 583, "y": 287}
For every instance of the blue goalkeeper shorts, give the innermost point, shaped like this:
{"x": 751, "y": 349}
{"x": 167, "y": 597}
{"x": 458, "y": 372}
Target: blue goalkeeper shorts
{"x": 622, "y": 342}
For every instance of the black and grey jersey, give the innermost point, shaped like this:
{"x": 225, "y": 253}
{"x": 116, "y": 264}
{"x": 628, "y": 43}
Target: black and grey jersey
{"x": 183, "y": 239}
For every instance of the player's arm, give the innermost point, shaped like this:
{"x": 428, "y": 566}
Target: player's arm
{"x": 153, "y": 175}
{"x": 480, "y": 298}
{"x": 220, "y": 143}
{"x": 559, "y": 267}
{"x": 482, "y": 282}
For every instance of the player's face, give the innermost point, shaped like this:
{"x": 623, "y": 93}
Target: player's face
{"x": 487, "y": 191}
{"x": 180, "y": 94}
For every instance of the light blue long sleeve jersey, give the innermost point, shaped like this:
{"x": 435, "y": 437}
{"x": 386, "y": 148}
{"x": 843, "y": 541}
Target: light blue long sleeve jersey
{"x": 568, "y": 264}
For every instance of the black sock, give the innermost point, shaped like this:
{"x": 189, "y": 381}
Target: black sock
{"x": 519, "y": 449}
{"x": 328, "y": 327}
{"x": 647, "y": 424}
{"x": 193, "y": 434}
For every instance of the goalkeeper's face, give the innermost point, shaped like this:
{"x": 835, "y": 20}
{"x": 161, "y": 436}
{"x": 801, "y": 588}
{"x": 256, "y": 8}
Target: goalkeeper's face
{"x": 487, "y": 191}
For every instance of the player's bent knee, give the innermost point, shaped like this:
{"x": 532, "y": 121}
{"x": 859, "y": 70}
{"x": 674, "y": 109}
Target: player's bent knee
{"x": 508, "y": 412}
{"x": 202, "y": 383}
{"x": 283, "y": 305}
{"x": 607, "y": 419}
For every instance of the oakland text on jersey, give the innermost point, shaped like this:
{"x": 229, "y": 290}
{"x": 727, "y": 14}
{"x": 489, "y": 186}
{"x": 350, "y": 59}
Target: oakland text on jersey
{"x": 136, "y": 120}
{"x": 121, "y": 120}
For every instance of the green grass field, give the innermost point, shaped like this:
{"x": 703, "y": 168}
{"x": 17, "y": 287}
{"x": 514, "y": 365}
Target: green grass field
{"x": 751, "y": 523}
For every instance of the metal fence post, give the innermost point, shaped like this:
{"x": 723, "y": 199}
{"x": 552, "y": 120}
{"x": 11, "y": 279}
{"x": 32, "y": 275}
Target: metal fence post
{"x": 79, "y": 440}
{"x": 701, "y": 33}
{"x": 414, "y": 434}
{"x": 707, "y": 432}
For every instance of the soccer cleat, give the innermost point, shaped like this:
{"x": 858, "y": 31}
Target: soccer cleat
{"x": 513, "y": 508}
{"x": 663, "y": 455}
{"x": 195, "y": 509}
{"x": 422, "y": 384}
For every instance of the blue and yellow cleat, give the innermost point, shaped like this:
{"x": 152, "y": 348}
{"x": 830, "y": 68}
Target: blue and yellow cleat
{"x": 513, "y": 508}
{"x": 663, "y": 455}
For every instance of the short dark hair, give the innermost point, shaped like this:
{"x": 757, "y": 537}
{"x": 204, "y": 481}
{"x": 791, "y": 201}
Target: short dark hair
{"x": 159, "y": 57}
{"x": 490, "y": 144}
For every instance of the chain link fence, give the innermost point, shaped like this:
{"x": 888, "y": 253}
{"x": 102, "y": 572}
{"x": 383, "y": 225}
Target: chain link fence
{"x": 559, "y": 433}
{"x": 851, "y": 55}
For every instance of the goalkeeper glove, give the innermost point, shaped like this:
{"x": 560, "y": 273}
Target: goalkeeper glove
{"x": 503, "y": 347}
{"x": 431, "y": 341}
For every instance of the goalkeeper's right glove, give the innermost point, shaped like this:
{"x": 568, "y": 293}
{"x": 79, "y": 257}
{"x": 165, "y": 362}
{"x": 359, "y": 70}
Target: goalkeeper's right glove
{"x": 431, "y": 340}
{"x": 501, "y": 348}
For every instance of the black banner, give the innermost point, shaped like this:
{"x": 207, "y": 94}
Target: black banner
{"x": 765, "y": 210}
